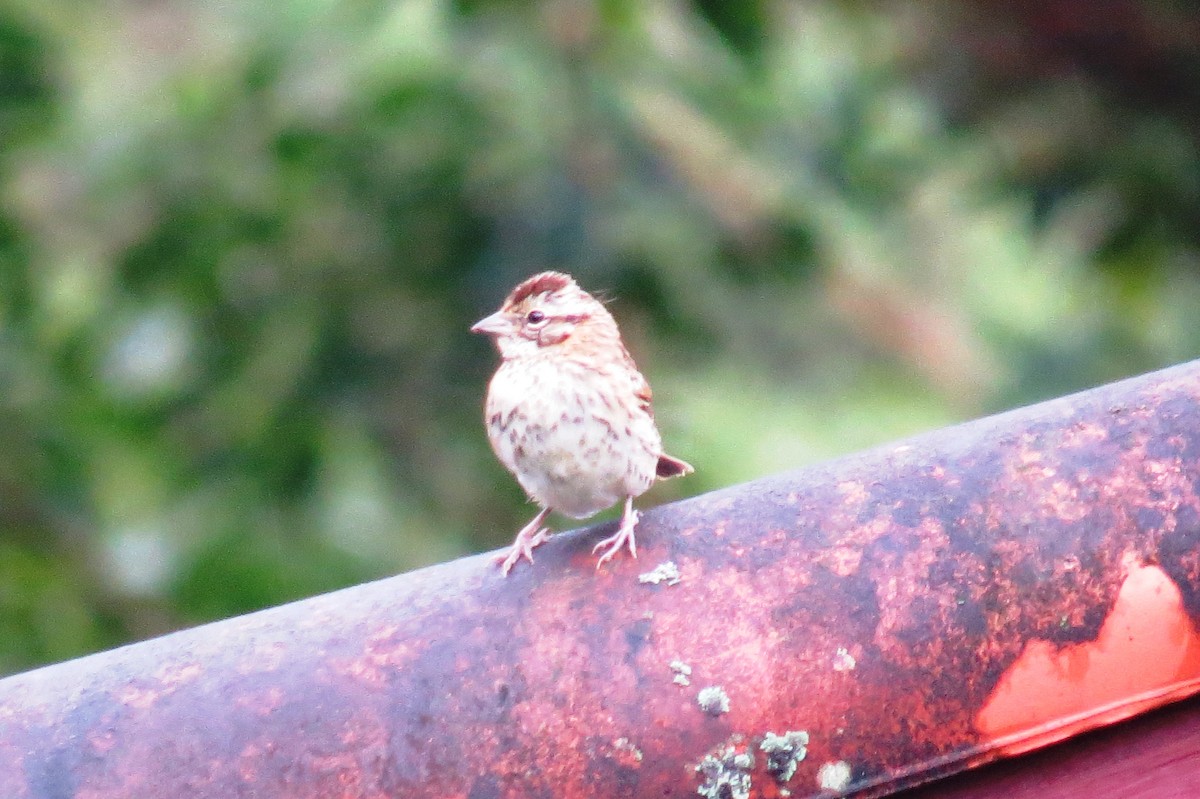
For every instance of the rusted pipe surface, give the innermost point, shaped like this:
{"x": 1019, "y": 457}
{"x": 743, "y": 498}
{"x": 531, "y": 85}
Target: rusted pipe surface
{"x": 867, "y": 623}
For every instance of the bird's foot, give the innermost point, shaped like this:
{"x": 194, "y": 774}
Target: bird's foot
{"x": 624, "y": 535}
{"x": 531, "y": 535}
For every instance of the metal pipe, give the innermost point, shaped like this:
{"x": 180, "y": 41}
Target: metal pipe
{"x": 863, "y": 624}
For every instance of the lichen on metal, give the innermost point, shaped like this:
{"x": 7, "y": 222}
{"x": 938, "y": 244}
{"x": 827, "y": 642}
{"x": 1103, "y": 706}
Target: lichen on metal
{"x": 666, "y": 572}
{"x": 683, "y": 673}
{"x": 834, "y": 776}
{"x": 784, "y": 752}
{"x": 713, "y": 700}
{"x": 726, "y": 774}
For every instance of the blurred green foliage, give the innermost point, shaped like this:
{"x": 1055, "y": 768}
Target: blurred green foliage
{"x": 241, "y": 245}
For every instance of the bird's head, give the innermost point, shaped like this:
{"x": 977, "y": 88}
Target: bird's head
{"x": 546, "y": 310}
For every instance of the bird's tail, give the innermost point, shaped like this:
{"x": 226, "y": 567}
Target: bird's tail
{"x": 669, "y": 466}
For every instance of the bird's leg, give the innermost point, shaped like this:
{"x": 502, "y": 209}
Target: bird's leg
{"x": 624, "y": 535}
{"x": 530, "y": 536}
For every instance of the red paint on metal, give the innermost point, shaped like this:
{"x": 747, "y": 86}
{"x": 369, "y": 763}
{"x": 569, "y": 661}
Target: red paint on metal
{"x": 1153, "y": 756}
{"x": 1051, "y": 692}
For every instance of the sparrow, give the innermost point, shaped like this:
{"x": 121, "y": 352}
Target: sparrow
{"x": 568, "y": 412}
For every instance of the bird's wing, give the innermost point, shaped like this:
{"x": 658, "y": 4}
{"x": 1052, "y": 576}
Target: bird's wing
{"x": 641, "y": 387}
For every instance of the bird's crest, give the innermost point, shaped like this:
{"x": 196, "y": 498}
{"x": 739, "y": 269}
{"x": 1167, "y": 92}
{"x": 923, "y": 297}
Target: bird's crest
{"x": 539, "y": 284}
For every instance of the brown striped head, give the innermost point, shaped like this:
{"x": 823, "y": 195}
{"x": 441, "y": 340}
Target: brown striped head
{"x": 546, "y": 310}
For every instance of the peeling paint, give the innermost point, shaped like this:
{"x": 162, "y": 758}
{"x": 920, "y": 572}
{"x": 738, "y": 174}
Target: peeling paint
{"x": 1051, "y": 682}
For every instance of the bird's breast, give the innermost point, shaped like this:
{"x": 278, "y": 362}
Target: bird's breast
{"x": 576, "y": 439}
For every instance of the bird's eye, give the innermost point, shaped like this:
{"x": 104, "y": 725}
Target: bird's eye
{"x": 535, "y": 317}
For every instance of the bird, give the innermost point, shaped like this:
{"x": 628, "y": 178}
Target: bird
{"x": 568, "y": 412}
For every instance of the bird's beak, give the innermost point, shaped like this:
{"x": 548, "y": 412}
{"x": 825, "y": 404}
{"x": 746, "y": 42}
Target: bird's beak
{"x": 494, "y": 325}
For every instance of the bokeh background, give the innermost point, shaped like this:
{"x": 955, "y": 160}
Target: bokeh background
{"x": 241, "y": 244}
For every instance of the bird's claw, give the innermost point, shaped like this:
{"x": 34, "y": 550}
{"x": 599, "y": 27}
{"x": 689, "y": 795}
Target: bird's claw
{"x": 619, "y": 539}
{"x": 522, "y": 547}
